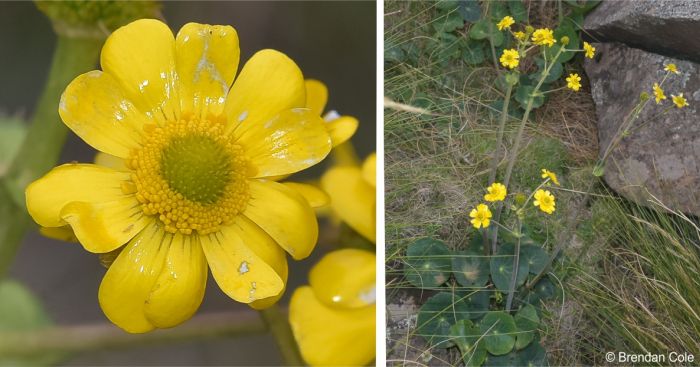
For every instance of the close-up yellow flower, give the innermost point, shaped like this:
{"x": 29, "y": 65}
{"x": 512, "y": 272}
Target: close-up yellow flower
{"x": 197, "y": 150}
{"x": 544, "y": 37}
{"x": 545, "y": 201}
{"x": 505, "y": 23}
{"x": 510, "y": 58}
{"x": 551, "y": 175}
{"x": 679, "y": 100}
{"x": 658, "y": 93}
{"x": 496, "y": 192}
{"x": 481, "y": 216}
{"x": 521, "y": 36}
{"x": 573, "y": 82}
{"x": 671, "y": 68}
{"x": 333, "y": 318}
{"x": 589, "y": 50}
{"x": 352, "y": 191}
{"x": 340, "y": 128}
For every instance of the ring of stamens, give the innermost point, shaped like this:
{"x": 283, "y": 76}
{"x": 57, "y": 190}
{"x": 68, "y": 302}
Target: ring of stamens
{"x": 190, "y": 175}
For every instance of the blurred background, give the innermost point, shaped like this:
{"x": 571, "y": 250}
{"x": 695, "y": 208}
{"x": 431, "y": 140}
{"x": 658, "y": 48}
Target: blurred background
{"x": 331, "y": 41}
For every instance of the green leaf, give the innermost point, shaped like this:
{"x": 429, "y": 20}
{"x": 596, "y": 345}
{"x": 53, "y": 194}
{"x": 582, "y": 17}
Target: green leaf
{"x": 428, "y": 263}
{"x": 554, "y": 72}
{"x": 523, "y": 93}
{"x": 20, "y": 310}
{"x": 470, "y": 10}
{"x": 393, "y": 53}
{"x": 514, "y": 111}
{"x": 518, "y": 10}
{"x": 581, "y": 7}
{"x": 543, "y": 290}
{"x": 569, "y": 29}
{"x": 447, "y": 5}
{"x": 475, "y": 302}
{"x": 436, "y": 316}
{"x": 535, "y": 257}
{"x": 532, "y": 356}
{"x": 502, "y": 268}
{"x": 508, "y": 360}
{"x": 448, "y": 23}
{"x": 468, "y": 339}
{"x": 479, "y": 30}
{"x": 473, "y": 53}
{"x": 497, "y": 10}
{"x": 12, "y": 132}
{"x": 527, "y": 321}
{"x": 499, "y": 330}
{"x": 470, "y": 270}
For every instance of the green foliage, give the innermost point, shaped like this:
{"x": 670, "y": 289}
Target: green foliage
{"x": 499, "y": 330}
{"x": 427, "y": 263}
{"x": 502, "y": 268}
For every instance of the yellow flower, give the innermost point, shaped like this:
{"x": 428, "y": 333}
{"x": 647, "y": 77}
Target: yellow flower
{"x": 510, "y": 58}
{"x": 545, "y": 200}
{"x": 679, "y": 100}
{"x": 520, "y": 35}
{"x": 505, "y": 23}
{"x": 340, "y": 128}
{"x": 481, "y": 216}
{"x": 589, "y": 49}
{"x": 658, "y": 93}
{"x": 544, "y": 37}
{"x": 671, "y": 68}
{"x": 192, "y": 193}
{"x": 496, "y": 192}
{"x": 551, "y": 175}
{"x": 573, "y": 81}
{"x": 333, "y": 318}
{"x": 353, "y": 195}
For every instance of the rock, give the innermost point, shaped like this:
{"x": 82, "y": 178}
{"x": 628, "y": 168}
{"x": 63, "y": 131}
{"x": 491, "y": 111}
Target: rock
{"x": 668, "y": 27}
{"x": 661, "y": 154}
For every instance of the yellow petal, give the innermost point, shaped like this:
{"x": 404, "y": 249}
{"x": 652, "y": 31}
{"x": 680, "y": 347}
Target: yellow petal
{"x": 352, "y": 198}
{"x": 345, "y": 278}
{"x": 316, "y": 96}
{"x": 90, "y": 199}
{"x": 332, "y": 336}
{"x": 207, "y": 60}
{"x": 313, "y": 195}
{"x": 64, "y": 233}
{"x": 129, "y": 281}
{"x": 179, "y": 290}
{"x": 285, "y": 215}
{"x": 341, "y": 129}
{"x": 141, "y": 57}
{"x": 269, "y": 83}
{"x": 287, "y": 143}
{"x": 110, "y": 161}
{"x": 237, "y": 269}
{"x": 98, "y": 111}
{"x": 369, "y": 169}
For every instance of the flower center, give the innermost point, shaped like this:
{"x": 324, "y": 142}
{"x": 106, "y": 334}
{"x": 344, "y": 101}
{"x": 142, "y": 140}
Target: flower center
{"x": 190, "y": 175}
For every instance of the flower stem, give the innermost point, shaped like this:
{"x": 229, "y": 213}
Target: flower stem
{"x": 43, "y": 143}
{"x": 278, "y": 325}
{"x": 516, "y": 265}
{"x": 81, "y": 338}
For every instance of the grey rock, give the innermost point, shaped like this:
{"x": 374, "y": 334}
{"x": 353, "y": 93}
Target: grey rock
{"x": 660, "y": 157}
{"x": 668, "y": 27}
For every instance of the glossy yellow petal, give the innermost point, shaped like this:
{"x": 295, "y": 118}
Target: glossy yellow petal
{"x": 269, "y": 83}
{"x": 207, "y": 60}
{"x": 345, "y": 278}
{"x": 316, "y": 96}
{"x": 64, "y": 233}
{"x": 332, "y": 336}
{"x": 369, "y": 169}
{"x": 141, "y": 57}
{"x": 287, "y": 143}
{"x": 179, "y": 290}
{"x": 352, "y": 199}
{"x": 237, "y": 269}
{"x": 285, "y": 215}
{"x": 313, "y": 195}
{"x": 98, "y": 111}
{"x": 110, "y": 161}
{"x": 341, "y": 129}
{"x": 130, "y": 280}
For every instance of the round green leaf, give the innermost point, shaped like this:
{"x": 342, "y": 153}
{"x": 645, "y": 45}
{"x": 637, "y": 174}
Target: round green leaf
{"x": 479, "y": 30}
{"x": 523, "y": 93}
{"x": 518, "y": 10}
{"x": 527, "y": 321}
{"x": 447, "y": 5}
{"x": 470, "y": 10}
{"x": 569, "y": 29}
{"x": 436, "y": 316}
{"x": 502, "y": 268}
{"x": 499, "y": 330}
{"x": 473, "y": 53}
{"x": 543, "y": 290}
{"x": 448, "y": 23}
{"x": 535, "y": 257}
{"x": 532, "y": 356}
{"x": 475, "y": 302}
{"x": 508, "y": 360}
{"x": 468, "y": 339}
{"x": 554, "y": 72}
{"x": 428, "y": 263}
{"x": 470, "y": 270}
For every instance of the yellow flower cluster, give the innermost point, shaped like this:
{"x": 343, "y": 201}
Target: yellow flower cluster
{"x": 510, "y": 58}
{"x": 505, "y": 23}
{"x": 544, "y": 37}
{"x": 678, "y": 99}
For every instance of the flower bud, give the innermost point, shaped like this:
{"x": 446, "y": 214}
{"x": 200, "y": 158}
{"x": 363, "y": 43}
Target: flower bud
{"x": 564, "y": 40}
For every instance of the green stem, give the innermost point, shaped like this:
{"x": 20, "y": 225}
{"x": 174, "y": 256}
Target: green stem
{"x": 278, "y": 325}
{"x": 42, "y": 146}
{"x": 516, "y": 264}
{"x": 81, "y": 338}
{"x": 499, "y": 136}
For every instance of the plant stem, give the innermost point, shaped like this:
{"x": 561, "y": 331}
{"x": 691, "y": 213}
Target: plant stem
{"x": 499, "y": 136}
{"x": 516, "y": 265}
{"x": 42, "y": 146}
{"x": 99, "y": 336}
{"x": 278, "y": 325}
